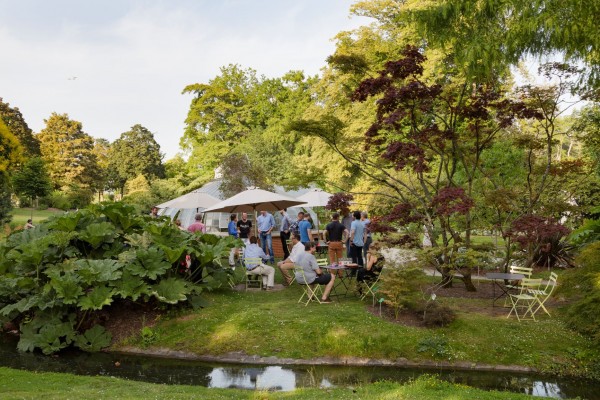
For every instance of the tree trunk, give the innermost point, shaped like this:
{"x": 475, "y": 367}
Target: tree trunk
{"x": 466, "y": 278}
{"x": 446, "y": 276}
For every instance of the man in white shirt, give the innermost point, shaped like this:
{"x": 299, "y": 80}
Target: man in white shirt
{"x": 288, "y": 263}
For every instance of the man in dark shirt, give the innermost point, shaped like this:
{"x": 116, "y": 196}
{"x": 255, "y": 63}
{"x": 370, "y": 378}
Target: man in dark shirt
{"x": 335, "y": 232}
{"x": 347, "y": 221}
{"x": 244, "y": 226}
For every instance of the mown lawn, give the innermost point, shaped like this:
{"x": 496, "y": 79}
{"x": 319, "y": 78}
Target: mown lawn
{"x": 16, "y": 384}
{"x": 274, "y": 324}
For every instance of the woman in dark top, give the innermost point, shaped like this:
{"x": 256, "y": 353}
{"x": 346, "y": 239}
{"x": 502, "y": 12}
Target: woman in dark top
{"x": 373, "y": 266}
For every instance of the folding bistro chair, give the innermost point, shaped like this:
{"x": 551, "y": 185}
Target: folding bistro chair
{"x": 524, "y": 300}
{"x": 372, "y": 287}
{"x": 311, "y": 291}
{"x": 542, "y": 295}
{"x": 514, "y": 269}
{"x": 252, "y": 279}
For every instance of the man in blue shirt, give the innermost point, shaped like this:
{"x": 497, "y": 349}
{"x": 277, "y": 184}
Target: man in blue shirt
{"x": 357, "y": 239}
{"x": 268, "y": 273}
{"x": 284, "y": 232}
{"x": 266, "y": 223}
{"x": 304, "y": 227}
{"x": 232, "y": 230}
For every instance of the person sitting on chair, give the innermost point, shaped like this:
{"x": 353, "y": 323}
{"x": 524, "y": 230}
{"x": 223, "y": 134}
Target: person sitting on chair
{"x": 267, "y": 272}
{"x": 373, "y": 266}
{"x": 312, "y": 272}
{"x": 288, "y": 263}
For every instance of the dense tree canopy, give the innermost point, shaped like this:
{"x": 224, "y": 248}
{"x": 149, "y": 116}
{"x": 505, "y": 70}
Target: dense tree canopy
{"x": 15, "y": 122}
{"x": 32, "y": 181}
{"x": 135, "y": 153}
{"x": 485, "y": 36}
{"x": 10, "y": 156}
{"x": 67, "y": 151}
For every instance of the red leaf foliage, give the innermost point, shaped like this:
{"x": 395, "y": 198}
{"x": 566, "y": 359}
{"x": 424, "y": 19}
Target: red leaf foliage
{"x": 535, "y": 229}
{"x": 340, "y": 202}
{"x": 450, "y": 200}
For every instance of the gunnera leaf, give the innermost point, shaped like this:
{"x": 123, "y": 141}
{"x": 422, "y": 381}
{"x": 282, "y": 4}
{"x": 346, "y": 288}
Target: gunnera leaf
{"x": 98, "y": 270}
{"x": 131, "y": 286}
{"x": 94, "y": 339}
{"x": 150, "y": 263}
{"x": 67, "y": 287}
{"x": 171, "y": 290}
{"x": 98, "y": 233}
{"x": 97, "y": 298}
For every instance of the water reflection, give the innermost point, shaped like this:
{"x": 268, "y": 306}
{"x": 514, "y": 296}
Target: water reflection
{"x": 277, "y": 378}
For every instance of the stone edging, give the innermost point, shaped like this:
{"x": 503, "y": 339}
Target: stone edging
{"x": 242, "y": 358}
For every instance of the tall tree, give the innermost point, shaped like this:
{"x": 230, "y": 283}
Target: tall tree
{"x": 67, "y": 151}
{"x": 10, "y": 157}
{"x": 15, "y": 122}
{"x": 220, "y": 115}
{"x": 425, "y": 144}
{"x": 485, "y": 36}
{"x": 32, "y": 180}
{"x": 135, "y": 153}
{"x": 101, "y": 150}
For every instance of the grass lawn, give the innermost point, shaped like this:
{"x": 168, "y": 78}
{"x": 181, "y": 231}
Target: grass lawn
{"x": 274, "y": 324}
{"x": 21, "y": 215}
{"x": 16, "y": 384}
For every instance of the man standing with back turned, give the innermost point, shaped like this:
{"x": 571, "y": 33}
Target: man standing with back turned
{"x": 266, "y": 223}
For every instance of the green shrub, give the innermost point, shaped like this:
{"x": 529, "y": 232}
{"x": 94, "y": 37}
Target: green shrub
{"x": 401, "y": 286}
{"x": 436, "y": 315}
{"x": 582, "y": 285}
{"x": 56, "y": 276}
{"x": 57, "y": 199}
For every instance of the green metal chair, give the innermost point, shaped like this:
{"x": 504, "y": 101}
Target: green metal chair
{"x": 249, "y": 278}
{"x": 541, "y": 296}
{"x": 312, "y": 292}
{"x": 371, "y": 288}
{"x": 523, "y": 303}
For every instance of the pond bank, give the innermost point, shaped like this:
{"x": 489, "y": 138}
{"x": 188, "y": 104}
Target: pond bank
{"x": 242, "y": 358}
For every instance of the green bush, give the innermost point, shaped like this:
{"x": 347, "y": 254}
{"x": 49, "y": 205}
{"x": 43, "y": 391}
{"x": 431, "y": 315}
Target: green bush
{"x": 401, "y": 286}
{"x": 56, "y": 199}
{"x": 56, "y": 276}
{"x": 436, "y": 315}
{"x": 79, "y": 197}
{"x": 582, "y": 285}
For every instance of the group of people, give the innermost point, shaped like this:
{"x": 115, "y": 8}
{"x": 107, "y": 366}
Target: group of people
{"x": 353, "y": 230}
{"x": 302, "y": 254}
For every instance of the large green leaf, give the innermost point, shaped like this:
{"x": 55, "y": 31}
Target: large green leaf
{"x": 67, "y": 286}
{"x": 98, "y": 233}
{"x": 120, "y": 214}
{"x": 97, "y": 298}
{"x": 150, "y": 263}
{"x": 94, "y": 339}
{"x": 171, "y": 290}
{"x": 98, "y": 270}
{"x": 173, "y": 254}
{"x": 21, "y": 306}
{"x": 130, "y": 286}
{"x": 47, "y": 332}
{"x": 66, "y": 222}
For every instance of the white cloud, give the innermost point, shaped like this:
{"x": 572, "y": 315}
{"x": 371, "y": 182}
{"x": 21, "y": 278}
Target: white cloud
{"x": 132, "y": 63}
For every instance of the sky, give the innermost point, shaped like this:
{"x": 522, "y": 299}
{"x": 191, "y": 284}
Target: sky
{"x": 111, "y": 64}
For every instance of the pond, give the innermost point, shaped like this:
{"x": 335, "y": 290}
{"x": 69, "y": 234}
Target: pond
{"x": 276, "y": 377}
